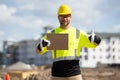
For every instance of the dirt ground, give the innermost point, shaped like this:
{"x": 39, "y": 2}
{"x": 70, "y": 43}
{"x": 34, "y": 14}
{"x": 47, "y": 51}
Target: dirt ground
{"x": 90, "y": 74}
{"x": 107, "y": 73}
{"x": 101, "y": 74}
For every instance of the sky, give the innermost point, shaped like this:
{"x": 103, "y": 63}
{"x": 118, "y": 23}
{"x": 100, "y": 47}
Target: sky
{"x": 25, "y": 19}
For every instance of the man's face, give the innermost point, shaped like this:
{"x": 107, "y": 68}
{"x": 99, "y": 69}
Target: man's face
{"x": 64, "y": 19}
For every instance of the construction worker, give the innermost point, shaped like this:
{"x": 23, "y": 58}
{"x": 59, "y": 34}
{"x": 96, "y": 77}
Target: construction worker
{"x": 66, "y": 62}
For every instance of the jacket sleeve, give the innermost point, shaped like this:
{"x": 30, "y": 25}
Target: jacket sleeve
{"x": 84, "y": 40}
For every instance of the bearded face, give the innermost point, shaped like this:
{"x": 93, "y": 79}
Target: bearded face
{"x": 64, "y": 20}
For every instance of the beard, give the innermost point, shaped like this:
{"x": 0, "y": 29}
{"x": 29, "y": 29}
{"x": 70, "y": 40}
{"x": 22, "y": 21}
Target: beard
{"x": 64, "y": 23}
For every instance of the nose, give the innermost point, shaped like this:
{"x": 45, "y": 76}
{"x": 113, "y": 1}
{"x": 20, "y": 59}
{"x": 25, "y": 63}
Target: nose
{"x": 65, "y": 18}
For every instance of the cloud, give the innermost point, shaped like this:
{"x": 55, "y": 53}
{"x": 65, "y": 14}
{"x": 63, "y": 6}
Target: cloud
{"x": 38, "y": 8}
{"x": 110, "y": 5}
{"x": 39, "y": 13}
{"x": 28, "y": 7}
{"x": 87, "y": 12}
{"x": 8, "y": 15}
{"x": 28, "y": 21}
{"x": 6, "y": 12}
{"x": 16, "y": 37}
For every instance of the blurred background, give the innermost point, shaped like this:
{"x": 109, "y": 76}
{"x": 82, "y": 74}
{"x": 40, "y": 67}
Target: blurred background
{"x": 24, "y": 22}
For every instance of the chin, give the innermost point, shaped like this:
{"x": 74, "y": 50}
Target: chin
{"x": 65, "y": 24}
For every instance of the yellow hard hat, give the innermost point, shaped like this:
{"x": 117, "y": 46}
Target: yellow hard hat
{"x": 64, "y": 9}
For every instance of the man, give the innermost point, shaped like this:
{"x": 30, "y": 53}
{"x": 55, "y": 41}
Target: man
{"x": 66, "y": 62}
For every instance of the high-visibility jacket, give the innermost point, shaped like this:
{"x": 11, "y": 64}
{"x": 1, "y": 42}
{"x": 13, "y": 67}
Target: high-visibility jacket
{"x": 76, "y": 40}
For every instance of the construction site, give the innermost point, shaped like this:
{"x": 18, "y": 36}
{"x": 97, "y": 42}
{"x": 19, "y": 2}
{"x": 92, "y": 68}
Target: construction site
{"x": 24, "y": 64}
{"x": 20, "y": 57}
{"x": 22, "y": 71}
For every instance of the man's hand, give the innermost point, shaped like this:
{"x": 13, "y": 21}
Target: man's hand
{"x": 43, "y": 43}
{"x": 94, "y": 38}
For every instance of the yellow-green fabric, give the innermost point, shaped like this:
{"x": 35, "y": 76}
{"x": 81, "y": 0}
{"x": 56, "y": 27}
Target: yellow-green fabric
{"x": 74, "y": 43}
